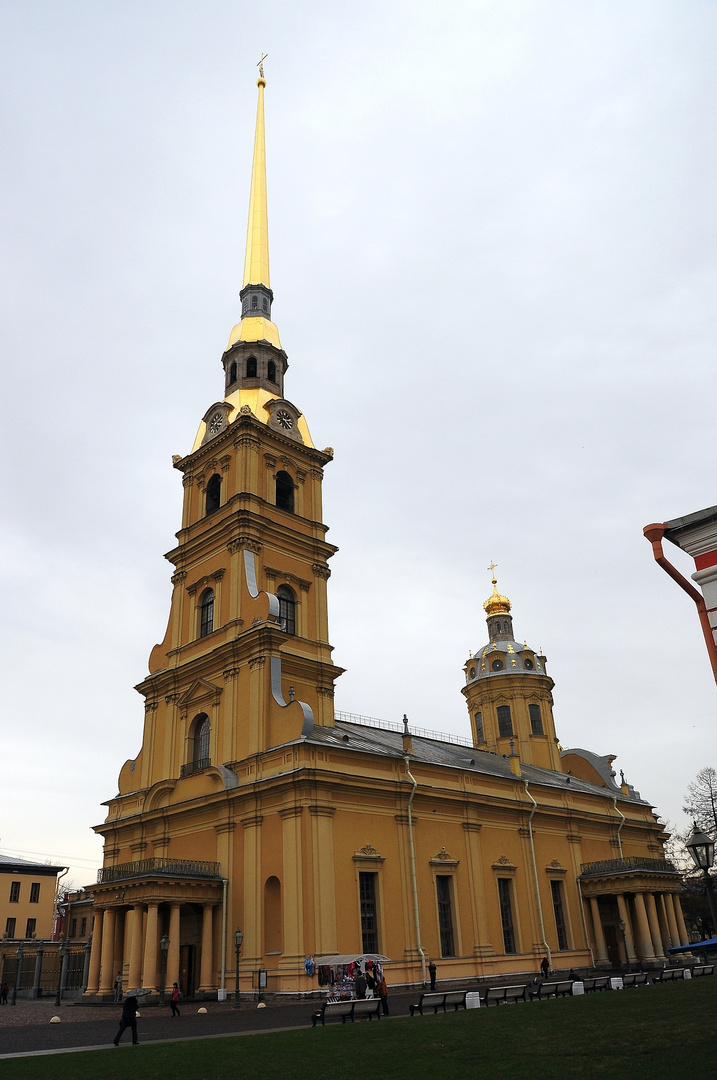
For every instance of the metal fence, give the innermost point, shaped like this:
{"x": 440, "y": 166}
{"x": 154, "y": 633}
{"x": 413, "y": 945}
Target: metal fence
{"x": 620, "y": 866}
{"x": 174, "y": 867}
{"x": 40, "y": 968}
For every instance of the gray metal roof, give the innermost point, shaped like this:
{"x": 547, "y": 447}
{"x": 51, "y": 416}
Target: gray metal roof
{"x": 361, "y": 739}
{"x": 8, "y": 862}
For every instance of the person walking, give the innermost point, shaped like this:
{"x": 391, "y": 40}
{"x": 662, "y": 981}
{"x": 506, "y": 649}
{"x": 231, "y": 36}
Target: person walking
{"x": 432, "y": 973}
{"x": 545, "y": 967}
{"x": 118, "y": 986}
{"x": 175, "y": 1000}
{"x": 129, "y": 1020}
{"x": 382, "y": 990}
{"x": 3, "y": 994}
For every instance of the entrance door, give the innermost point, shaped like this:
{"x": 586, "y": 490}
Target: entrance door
{"x": 187, "y": 969}
{"x": 613, "y": 949}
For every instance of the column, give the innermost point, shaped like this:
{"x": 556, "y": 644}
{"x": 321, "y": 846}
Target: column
{"x": 253, "y": 946}
{"x": 206, "y": 977}
{"x": 93, "y": 979}
{"x": 107, "y": 963}
{"x": 684, "y": 939}
{"x": 625, "y": 916}
{"x": 643, "y": 930}
{"x": 654, "y": 926}
{"x": 119, "y": 943}
{"x": 135, "y": 949}
{"x": 149, "y": 965}
{"x": 322, "y": 835}
{"x": 481, "y": 934}
{"x": 671, "y": 920}
{"x": 664, "y": 925}
{"x": 173, "y": 951}
{"x": 600, "y": 948}
{"x": 292, "y": 887}
{"x": 35, "y": 992}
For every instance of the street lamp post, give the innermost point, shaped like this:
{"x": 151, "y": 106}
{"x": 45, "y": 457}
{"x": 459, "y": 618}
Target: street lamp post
{"x": 702, "y": 849}
{"x": 238, "y": 938}
{"x": 164, "y": 945}
{"x": 61, "y": 954}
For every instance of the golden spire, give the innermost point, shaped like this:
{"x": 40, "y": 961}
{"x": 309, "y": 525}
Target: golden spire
{"x": 256, "y": 294}
{"x": 496, "y": 604}
{"x": 256, "y": 260}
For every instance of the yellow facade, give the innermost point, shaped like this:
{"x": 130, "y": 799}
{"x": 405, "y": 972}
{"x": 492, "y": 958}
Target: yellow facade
{"x": 252, "y": 804}
{"x": 27, "y": 898}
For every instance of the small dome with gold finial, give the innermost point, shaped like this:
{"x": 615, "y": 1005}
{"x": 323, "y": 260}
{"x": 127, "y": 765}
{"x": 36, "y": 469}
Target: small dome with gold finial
{"x": 496, "y": 604}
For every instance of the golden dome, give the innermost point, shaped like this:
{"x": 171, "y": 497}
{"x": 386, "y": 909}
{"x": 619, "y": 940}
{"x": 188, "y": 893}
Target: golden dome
{"x": 496, "y": 604}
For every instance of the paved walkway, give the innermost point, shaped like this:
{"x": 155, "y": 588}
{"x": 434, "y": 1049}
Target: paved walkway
{"x": 26, "y": 1029}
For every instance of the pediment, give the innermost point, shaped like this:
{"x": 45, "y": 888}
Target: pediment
{"x": 201, "y": 690}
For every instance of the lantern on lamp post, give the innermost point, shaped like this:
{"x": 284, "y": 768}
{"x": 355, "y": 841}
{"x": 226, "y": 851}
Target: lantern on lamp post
{"x": 238, "y": 938}
{"x": 702, "y": 849}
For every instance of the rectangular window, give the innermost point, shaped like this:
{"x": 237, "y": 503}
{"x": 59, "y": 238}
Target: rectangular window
{"x": 445, "y": 915}
{"x": 30, "y": 928}
{"x": 556, "y": 887}
{"x": 73, "y": 928}
{"x": 35, "y": 892}
{"x": 10, "y": 928}
{"x": 536, "y": 720}
{"x": 480, "y": 737}
{"x": 505, "y": 724}
{"x": 83, "y": 928}
{"x": 14, "y": 892}
{"x": 506, "y": 915}
{"x": 369, "y": 913}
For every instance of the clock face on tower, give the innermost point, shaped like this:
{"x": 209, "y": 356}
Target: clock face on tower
{"x": 285, "y": 419}
{"x": 216, "y": 423}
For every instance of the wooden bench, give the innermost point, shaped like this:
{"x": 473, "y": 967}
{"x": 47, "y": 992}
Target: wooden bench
{"x": 668, "y": 975}
{"x": 456, "y": 998}
{"x": 347, "y": 1010}
{"x": 602, "y": 982}
{"x": 702, "y": 969}
{"x": 635, "y": 978}
{"x": 502, "y": 995}
{"x": 552, "y": 990}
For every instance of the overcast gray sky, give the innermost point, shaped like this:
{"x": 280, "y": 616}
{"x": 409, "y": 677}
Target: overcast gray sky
{"x": 493, "y": 249}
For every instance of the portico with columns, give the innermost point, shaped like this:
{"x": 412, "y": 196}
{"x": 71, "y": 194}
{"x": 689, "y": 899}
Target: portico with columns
{"x": 632, "y": 907}
{"x": 138, "y": 904}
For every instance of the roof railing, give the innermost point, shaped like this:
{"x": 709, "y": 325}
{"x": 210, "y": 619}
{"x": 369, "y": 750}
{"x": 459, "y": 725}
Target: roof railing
{"x": 391, "y": 725}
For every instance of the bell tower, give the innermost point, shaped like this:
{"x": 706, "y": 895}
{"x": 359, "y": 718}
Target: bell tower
{"x": 245, "y": 664}
{"x": 508, "y": 693}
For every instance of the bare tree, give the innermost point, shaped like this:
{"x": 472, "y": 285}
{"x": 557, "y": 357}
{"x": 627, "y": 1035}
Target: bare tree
{"x": 701, "y": 802}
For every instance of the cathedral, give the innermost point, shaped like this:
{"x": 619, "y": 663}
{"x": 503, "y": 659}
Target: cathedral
{"x": 253, "y": 806}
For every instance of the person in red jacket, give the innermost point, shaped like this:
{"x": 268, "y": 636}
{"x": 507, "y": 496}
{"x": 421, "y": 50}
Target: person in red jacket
{"x": 175, "y": 1000}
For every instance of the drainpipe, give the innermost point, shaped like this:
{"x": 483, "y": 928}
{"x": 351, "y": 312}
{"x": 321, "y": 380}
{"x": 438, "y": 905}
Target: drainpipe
{"x": 413, "y": 780}
{"x": 619, "y": 828}
{"x": 535, "y": 875}
{"x": 655, "y": 533}
{"x": 224, "y": 931}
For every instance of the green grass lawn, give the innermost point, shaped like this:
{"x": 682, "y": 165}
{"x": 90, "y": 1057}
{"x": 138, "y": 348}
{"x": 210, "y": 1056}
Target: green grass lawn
{"x": 641, "y": 1034}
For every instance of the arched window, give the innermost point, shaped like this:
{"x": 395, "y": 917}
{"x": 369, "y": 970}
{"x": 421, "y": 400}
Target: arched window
{"x": 265, "y": 304}
{"x": 505, "y": 723}
{"x": 214, "y": 494}
{"x": 232, "y": 372}
{"x": 285, "y": 492}
{"x": 255, "y": 301}
{"x": 287, "y": 609}
{"x": 536, "y": 720}
{"x": 200, "y": 749}
{"x": 251, "y": 368}
{"x": 206, "y": 613}
{"x": 271, "y": 371}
